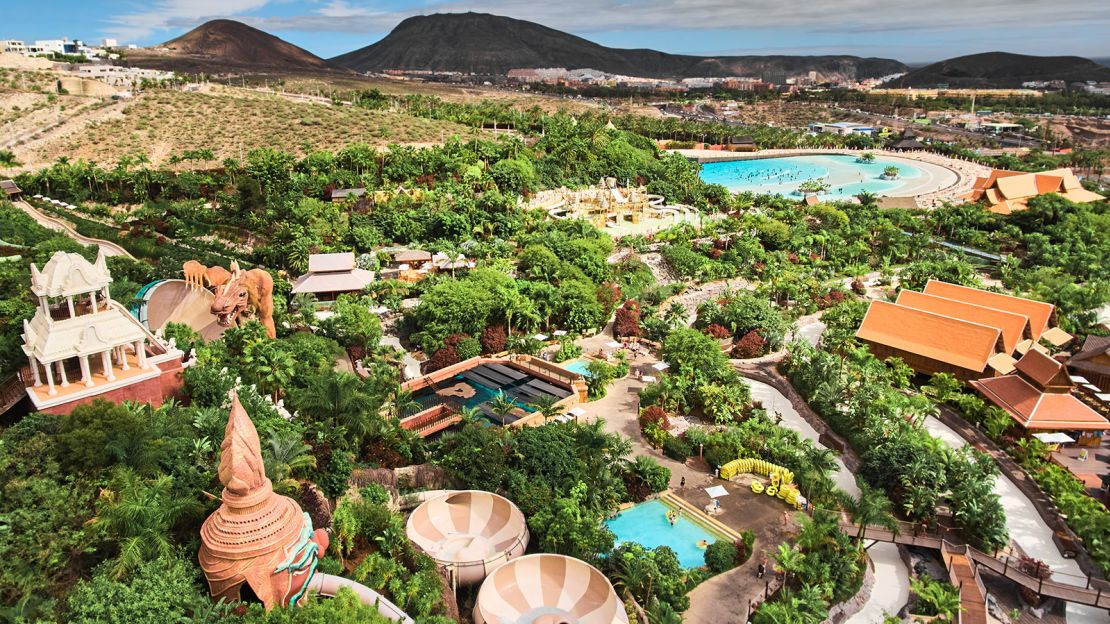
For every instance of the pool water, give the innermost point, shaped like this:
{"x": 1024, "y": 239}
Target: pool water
{"x": 647, "y": 525}
{"x": 427, "y": 397}
{"x": 578, "y": 366}
{"x": 782, "y": 176}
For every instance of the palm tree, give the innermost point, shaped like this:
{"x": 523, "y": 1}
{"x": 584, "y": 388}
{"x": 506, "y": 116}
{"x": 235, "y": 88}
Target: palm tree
{"x": 936, "y": 598}
{"x": 870, "y": 508}
{"x": 790, "y": 561}
{"x": 8, "y": 160}
{"x": 548, "y": 406}
{"x": 269, "y": 366}
{"x": 337, "y": 399}
{"x": 402, "y": 402}
{"x": 139, "y": 515}
{"x": 502, "y": 405}
{"x": 285, "y": 455}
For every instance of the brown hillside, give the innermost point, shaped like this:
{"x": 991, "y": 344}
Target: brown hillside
{"x": 225, "y": 44}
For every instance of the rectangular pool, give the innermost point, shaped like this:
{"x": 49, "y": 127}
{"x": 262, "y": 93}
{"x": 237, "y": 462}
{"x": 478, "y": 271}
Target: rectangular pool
{"x": 577, "y": 366}
{"x": 647, "y": 525}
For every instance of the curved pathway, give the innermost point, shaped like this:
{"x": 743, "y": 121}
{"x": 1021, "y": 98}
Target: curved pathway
{"x": 892, "y": 579}
{"x": 108, "y": 248}
{"x": 1029, "y": 530}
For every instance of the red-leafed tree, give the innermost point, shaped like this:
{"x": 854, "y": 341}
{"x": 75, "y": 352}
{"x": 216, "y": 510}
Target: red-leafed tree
{"x": 750, "y": 346}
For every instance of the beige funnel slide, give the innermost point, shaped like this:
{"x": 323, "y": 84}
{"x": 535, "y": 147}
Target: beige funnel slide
{"x": 470, "y": 532}
{"x": 548, "y": 589}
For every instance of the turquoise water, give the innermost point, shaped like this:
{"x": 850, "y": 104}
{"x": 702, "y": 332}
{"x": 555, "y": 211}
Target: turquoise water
{"x": 578, "y": 366}
{"x": 427, "y": 397}
{"x": 782, "y": 176}
{"x": 647, "y": 525}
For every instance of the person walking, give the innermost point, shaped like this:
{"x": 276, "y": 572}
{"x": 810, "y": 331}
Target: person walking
{"x": 785, "y": 518}
{"x": 762, "y": 568}
{"x": 682, "y": 483}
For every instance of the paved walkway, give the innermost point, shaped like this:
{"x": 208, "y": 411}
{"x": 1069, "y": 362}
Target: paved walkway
{"x": 107, "y": 247}
{"x": 1029, "y": 531}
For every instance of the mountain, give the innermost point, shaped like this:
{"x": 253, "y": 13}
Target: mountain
{"x": 491, "y": 44}
{"x": 226, "y": 44}
{"x": 1002, "y": 70}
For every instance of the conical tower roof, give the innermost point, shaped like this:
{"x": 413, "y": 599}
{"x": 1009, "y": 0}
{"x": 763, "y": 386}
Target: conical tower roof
{"x": 253, "y": 530}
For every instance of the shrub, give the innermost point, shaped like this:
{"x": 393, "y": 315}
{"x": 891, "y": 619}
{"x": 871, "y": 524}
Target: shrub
{"x": 568, "y": 350}
{"x": 468, "y": 348}
{"x": 655, "y": 435}
{"x": 443, "y": 358}
{"x": 627, "y": 321}
{"x": 493, "y": 339}
{"x": 654, "y": 415}
{"x": 720, "y": 332}
{"x": 676, "y": 448}
{"x": 720, "y": 556}
{"x": 750, "y": 346}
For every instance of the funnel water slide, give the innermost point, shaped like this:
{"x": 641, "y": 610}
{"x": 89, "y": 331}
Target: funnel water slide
{"x": 548, "y": 589}
{"x": 470, "y": 533}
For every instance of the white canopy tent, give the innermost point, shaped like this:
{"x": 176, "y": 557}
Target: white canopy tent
{"x": 1054, "y": 438}
{"x": 716, "y": 491}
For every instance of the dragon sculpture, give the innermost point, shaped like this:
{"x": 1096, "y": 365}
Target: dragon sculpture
{"x": 237, "y": 292}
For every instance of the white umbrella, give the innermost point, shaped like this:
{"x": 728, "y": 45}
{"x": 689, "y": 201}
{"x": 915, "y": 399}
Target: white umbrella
{"x": 1104, "y": 397}
{"x": 648, "y": 379}
{"x": 560, "y": 332}
{"x": 1053, "y": 438}
{"x": 613, "y": 344}
{"x": 716, "y": 491}
{"x": 660, "y": 366}
{"x": 576, "y": 411}
{"x": 540, "y": 337}
{"x": 1079, "y": 379}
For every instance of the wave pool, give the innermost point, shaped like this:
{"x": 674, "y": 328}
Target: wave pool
{"x": 846, "y": 177}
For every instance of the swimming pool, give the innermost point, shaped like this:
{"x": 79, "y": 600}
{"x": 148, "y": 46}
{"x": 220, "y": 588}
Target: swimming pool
{"x": 647, "y": 525}
{"x": 846, "y": 177}
{"x": 578, "y": 366}
{"x": 482, "y": 394}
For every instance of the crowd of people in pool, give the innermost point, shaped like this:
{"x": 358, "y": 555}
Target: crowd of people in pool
{"x": 783, "y": 175}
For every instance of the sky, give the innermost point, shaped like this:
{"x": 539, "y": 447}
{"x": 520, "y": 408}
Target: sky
{"x": 908, "y": 30}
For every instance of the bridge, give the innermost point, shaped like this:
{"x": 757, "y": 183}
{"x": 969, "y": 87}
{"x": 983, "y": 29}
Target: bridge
{"x": 12, "y": 392}
{"x": 963, "y": 563}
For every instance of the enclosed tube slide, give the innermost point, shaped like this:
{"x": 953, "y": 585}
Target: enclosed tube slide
{"x": 470, "y": 533}
{"x": 329, "y": 585}
{"x": 548, "y": 589}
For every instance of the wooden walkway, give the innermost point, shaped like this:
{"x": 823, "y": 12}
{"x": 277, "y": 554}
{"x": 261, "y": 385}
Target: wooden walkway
{"x": 1095, "y": 592}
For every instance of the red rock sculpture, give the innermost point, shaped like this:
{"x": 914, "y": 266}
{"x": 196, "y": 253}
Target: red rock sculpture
{"x": 256, "y": 537}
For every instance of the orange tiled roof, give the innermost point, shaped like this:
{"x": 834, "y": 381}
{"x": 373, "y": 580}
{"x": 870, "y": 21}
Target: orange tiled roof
{"x": 1040, "y": 313}
{"x": 1041, "y": 369}
{"x": 1014, "y": 326}
{"x": 1008, "y": 191}
{"x": 935, "y": 336}
{"x": 1035, "y": 410}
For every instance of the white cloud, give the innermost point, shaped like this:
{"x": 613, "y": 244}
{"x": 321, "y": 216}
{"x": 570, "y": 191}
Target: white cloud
{"x": 162, "y": 15}
{"x": 585, "y": 16}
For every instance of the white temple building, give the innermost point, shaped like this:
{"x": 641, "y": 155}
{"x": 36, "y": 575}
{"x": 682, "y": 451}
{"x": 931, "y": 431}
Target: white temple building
{"x": 81, "y": 344}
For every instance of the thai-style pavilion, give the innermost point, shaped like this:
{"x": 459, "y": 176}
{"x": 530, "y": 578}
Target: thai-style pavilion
{"x": 81, "y": 344}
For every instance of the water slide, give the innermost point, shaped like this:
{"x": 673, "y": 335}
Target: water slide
{"x": 470, "y": 532}
{"x": 175, "y": 301}
{"x": 548, "y": 589}
{"x": 329, "y": 585}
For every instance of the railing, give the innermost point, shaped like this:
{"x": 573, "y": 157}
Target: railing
{"x": 435, "y": 419}
{"x": 1092, "y": 592}
{"x": 12, "y": 391}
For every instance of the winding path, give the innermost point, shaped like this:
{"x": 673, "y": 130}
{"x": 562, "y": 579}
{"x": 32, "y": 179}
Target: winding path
{"x": 1029, "y": 530}
{"x": 892, "y": 579}
{"x": 108, "y": 248}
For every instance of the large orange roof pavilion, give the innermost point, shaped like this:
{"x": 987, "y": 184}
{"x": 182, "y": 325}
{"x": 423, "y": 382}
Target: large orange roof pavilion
{"x": 954, "y": 342}
{"x": 1005, "y": 192}
{"x": 1041, "y": 315}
